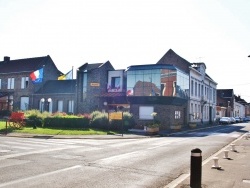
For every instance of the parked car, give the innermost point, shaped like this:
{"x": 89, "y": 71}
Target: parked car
{"x": 237, "y": 119}
{"x": 225, "y": 120}
{"x": 233, "y": 120}
{"x": 245, "y": 119}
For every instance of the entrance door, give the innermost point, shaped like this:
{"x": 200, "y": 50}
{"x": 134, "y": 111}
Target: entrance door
{"x": 24, "y": 103}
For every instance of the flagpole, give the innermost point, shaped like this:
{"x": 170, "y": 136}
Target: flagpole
{"x": 43, "y": 78}
{"x": 73, "y": 92}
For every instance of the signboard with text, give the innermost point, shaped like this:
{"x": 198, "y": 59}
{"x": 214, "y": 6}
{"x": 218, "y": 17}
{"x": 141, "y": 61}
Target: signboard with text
{"x": 115, "y": 116}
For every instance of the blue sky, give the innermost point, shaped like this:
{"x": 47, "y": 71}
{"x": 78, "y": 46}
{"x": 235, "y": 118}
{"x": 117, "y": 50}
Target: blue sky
{"x": 132, "y": 32}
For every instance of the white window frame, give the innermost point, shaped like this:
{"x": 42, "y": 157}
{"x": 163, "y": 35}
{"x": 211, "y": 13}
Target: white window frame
{"x": 71, "y": 106}
{"x": 11, "y": 82}
{"x": 177, "y": 114}
{"x": 24, "y": 81}
{"x": 60, "y": 106}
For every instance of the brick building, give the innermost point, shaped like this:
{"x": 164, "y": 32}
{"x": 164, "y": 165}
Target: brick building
{"x": 16, "y": 89}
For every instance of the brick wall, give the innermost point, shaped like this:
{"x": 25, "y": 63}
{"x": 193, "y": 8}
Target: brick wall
{"x": 165, "y": 114}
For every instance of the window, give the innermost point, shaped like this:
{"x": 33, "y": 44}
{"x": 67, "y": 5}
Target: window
{"x": 115, "y": 82}
{"x": 214, "y": 94}
{"x": 71, "y": 106}
{"x": 199, "y": 90}
{"x": 192, "y": 88}
{"x": 202, "y": 90}
{"x": 60, "y": 106}
{"x": 145, "y": 112}
{"x": 84, "y": 89}
{"x": 24, "y": 82}
{"x": 195, "y": 89}
{"x": 192, "y": 110}
{"x": 177, "y": 114}
{"x": 10, "y": 83}
{"x": 195, "y": 111}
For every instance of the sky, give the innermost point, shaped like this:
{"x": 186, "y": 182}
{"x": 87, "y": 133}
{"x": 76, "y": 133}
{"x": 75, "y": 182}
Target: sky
{"x": 132, "y": 32}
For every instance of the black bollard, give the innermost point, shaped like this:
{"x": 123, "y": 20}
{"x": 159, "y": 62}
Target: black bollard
{"x": 195, "y": 169}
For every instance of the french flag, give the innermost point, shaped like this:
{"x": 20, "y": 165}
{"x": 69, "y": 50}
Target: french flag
{"x": 37, "y": 76}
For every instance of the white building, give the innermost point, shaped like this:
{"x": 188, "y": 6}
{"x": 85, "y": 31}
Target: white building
{"x": 202, "y": 102}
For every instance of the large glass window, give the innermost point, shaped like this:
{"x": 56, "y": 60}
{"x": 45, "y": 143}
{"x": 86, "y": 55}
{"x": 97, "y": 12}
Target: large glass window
{"x": 157, "y": 82}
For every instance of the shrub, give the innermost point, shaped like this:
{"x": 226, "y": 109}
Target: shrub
{"x": 68, "y": 122}
{"x": 35, "y": 118}
{"x": 99, "y": 120}
{"x": 128, "y": 122}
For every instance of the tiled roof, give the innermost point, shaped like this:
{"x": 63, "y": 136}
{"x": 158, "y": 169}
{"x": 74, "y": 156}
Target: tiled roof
{"x": 23, "y": 65}
{"x": 88, "y": 67}
{"x": 58, "y": 87}
{"x": 171, "y": 56}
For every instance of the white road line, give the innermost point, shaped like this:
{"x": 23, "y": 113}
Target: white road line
{"x": 35, "y": 152}
{"x": 39, "y": 176}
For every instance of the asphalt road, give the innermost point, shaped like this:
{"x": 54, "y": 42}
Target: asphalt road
{"x": 144, "y": 162}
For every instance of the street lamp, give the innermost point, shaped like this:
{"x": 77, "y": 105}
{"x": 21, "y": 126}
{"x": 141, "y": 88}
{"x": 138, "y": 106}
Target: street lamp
{"x": 42, "y": 104}
{"x": 105, "y": 105}
{"x": 228, "y": 105}
{"x": 49, "y": 101}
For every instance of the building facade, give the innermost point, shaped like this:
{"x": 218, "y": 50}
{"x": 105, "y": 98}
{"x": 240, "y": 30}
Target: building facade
{"x": 16, "y": 88}
{"x": 203, "y": 97}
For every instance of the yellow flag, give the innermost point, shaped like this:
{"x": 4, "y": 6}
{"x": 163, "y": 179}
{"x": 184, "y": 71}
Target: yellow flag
{"x": 67, "y": 76}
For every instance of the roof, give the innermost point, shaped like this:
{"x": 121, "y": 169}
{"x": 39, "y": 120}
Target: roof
{"x": 58, "y": 87}
{"x": 23, "y": 65}
{"x": 151, "y": 66}
{"x": 225, "y": 93}
{"x": 171, "y": 56}
{"x": 239, "y": 100}
{"x": 89, "y": 67}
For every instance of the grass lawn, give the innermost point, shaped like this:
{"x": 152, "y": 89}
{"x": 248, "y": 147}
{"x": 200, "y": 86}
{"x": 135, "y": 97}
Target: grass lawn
{"x": 50, "y": 131}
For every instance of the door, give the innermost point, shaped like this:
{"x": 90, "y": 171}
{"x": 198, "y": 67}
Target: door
{"x": 24, "y": 103}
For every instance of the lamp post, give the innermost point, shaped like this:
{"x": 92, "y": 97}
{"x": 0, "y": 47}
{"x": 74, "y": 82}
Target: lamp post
{"x": 42, "y": 104}
{"x": 105, "y": 106}
{"x": 228, "y": 111}
{"x": 49, "y": 101}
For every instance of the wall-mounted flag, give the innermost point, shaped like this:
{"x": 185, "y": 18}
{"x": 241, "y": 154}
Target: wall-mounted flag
{"x": 37, "y": 76}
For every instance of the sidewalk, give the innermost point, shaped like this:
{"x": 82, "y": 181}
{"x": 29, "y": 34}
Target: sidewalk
{"x": 234, "y": 171}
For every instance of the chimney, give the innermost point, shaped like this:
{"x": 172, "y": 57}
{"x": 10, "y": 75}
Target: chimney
{"x": 6, "y": 58}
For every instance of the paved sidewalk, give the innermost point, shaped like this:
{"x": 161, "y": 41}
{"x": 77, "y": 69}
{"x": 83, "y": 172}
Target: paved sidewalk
{"x": 234, "y": 171}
